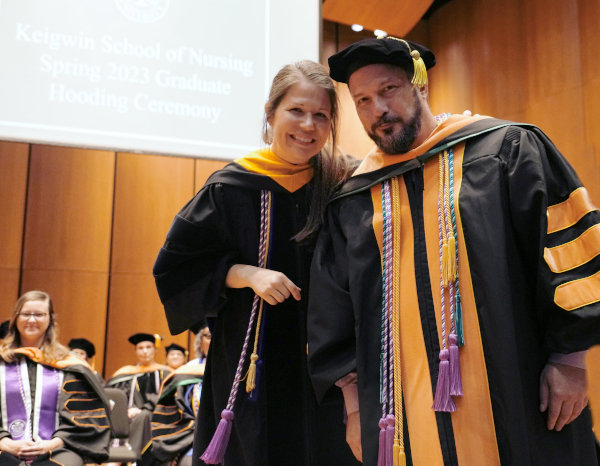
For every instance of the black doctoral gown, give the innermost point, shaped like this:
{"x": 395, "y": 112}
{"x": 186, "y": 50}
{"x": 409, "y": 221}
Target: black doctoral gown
{"x": 281, "y": 422}
{"x": 529, "y": 269}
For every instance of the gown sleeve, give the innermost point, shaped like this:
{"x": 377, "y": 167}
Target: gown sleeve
{"x": 558, "y": 228}
{"x": 191, "y": 266}
{"x": 330, "y": 321}
{"x": 84, "y": 426}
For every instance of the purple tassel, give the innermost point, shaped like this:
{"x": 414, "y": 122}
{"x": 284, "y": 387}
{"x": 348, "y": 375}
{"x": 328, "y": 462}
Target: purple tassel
{"x": 389, "y": 440}
{"x": 443, "y": 402}
{"x": 382, "y": 443}
{"x": 455, "y": 378}
{"x": 215, "y": 452}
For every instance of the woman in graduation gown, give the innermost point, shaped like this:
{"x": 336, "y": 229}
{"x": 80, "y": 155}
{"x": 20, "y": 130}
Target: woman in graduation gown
{"x": 53, "y": 408}
{"x": 209, "y": 267}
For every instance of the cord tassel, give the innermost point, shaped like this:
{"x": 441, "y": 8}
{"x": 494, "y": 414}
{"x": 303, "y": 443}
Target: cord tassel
{"x": 381, "y": 453}
{"x": 215, "y": 452}
{"x": 459, "y": 322}
{"x": 443, "y": 402}
{"x": 455, "y": 378}
{"x": 389, "y": 433}
{"x": 251, "y": 379}
{"x": 399, "y": 455}
{"x": 419, "y": 78}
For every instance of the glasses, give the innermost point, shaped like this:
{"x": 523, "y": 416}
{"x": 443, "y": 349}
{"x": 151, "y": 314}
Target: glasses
{"x": 35, "y": 315}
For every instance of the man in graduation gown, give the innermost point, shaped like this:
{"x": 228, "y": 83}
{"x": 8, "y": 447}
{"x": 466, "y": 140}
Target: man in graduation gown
{"x": 176, "y": 356}
{"x": 67, "y": 387}
{"x": 85, "y": 350}
{"x": 456, "y": 283}
{"x": 141, "y": 383}
{"x": 174, "y": 416}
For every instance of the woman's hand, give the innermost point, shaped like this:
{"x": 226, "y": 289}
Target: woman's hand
{"x": 29, "y": 450}
{"x": 13, "y": 446}
{"x": 272, "y": 286}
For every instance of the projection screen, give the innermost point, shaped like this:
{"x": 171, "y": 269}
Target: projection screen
{"x": 181, "y": 77}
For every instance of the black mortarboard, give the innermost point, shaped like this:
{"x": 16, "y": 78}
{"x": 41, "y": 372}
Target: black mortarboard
{"x": 413, "y": 57}
{"x": 83, "y": 344}
{"x": 139, "y": 337}
{"x": 175, "y": 347}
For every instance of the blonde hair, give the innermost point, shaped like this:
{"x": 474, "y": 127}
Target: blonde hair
{"x": 330, "y": 167}
{"x": 51, "y": 348}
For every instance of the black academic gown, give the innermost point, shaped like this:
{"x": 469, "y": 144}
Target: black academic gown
{"x": 174, "y": 415}
{"x": 518, "y": 201}
{"x": 281, "y": 423}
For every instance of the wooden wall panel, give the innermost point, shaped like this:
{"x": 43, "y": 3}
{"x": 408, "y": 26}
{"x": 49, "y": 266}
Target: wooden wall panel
{"x": 589, "y": 49}
{"x": 149, "y": 191}
{"x": 135, "y": 307}
{"x": 67, "y": 236}
{"x": 588, "y": 163}
{"x": 396, "y": 18}
{"x": 523, "y": 62}
{"x": 481, "y": 63}
{"x": 9, "y": 291}
{"x": 204, "y": 168}
{"x": 14, "y": 159}
{"x": 80, "y": 301}
{"x": 69, "y": 209}
{"x": 352, "y": 138}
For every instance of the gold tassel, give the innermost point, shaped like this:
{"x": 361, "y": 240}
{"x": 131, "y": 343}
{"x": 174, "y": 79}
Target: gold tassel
{"x": 401, "y": 457}
{"x": 251, "y": 380}
{"x": 396, "y": 453}
{"x": 157, "y": 340}
{"x": 452, "y": 258}
{"x": 420, "y": 75}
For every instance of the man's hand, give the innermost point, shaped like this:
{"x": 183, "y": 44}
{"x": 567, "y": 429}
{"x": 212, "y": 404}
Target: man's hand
{"x": 563, "y": 393}
{"x": 353, "y": 434}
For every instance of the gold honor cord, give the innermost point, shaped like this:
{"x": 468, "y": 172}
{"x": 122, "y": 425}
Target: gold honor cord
{"x": 399, "y": 454}
{"x": 251, "y": 377}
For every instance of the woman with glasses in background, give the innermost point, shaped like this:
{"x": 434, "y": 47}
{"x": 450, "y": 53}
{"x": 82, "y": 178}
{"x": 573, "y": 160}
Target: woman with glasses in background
{"x": 52, "y": 408}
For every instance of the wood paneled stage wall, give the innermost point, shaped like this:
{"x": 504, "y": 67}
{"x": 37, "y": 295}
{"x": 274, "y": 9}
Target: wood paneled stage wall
{"x": 86, "y": 225}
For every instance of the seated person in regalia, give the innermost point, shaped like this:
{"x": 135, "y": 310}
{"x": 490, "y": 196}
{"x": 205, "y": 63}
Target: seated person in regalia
{"x": 174, "y": 416}
{"x": 53, "y": 410}
{"x": 141, "y": 383}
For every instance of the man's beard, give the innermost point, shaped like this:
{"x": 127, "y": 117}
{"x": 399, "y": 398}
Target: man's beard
{"x": 401, "y": 141}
